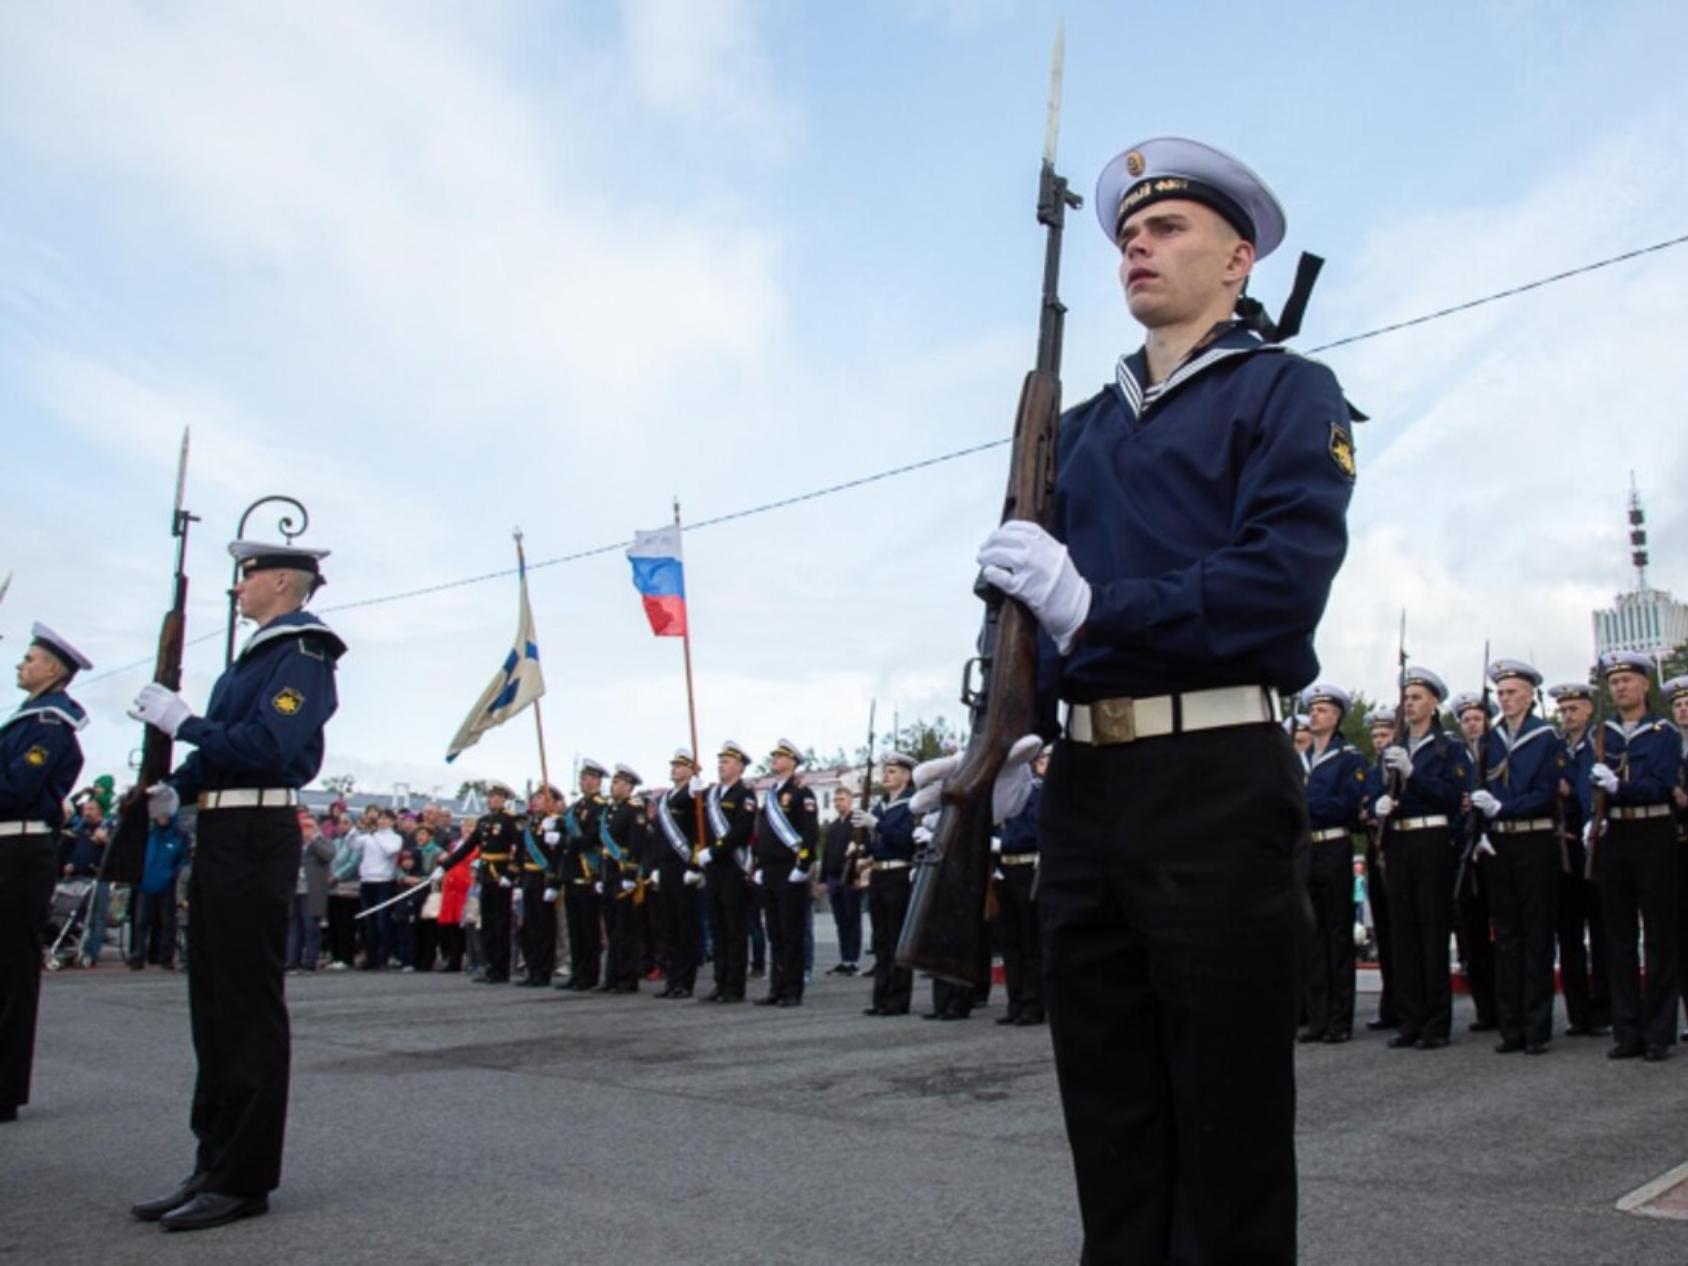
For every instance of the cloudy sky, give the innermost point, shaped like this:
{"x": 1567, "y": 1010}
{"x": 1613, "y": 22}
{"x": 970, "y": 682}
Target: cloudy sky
{"x": 443, "y": 270}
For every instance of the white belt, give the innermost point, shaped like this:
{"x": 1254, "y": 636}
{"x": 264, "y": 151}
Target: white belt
{"x": 1420, "y": 824}
{"x": 891, "y": 865}
{"x": 1018, "y": 859}
{"x": 1330, "y": 833}
{"x": 249, "y": 798}
{"x": 1111, "y": 721}
{"x": 25, "y": 828}
{"x": 1519, "y": 826}
{"x": 1629, "y": 813}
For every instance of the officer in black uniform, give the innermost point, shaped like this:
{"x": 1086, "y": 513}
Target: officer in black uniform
{"x": 541, "y": 848}
{"x": 578, "y": 877}
{"x": 498, "y": 834}
{"x": 1473, "y": 935}
{"x": 786, "y": 838}
{"x": 894, "y": 834}
{"x": 730, "y": 818}
{"x": 1198, "y": 522}
{"x": 1581, "y": 926}
{"x": 40, "y": 758}
{"x": 621, "y": 830}
{"x": 679, "y": 828}
{"x": 1336, "y": 784}
{"x": 260, "y": 740}
{"x": 1018, "y": 929}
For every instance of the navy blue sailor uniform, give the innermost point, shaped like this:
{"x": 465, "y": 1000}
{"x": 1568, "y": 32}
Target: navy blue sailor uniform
{"x": 891, "y": 850}
{"x": 786, "y": 842}
{"x": 1018, "y": 930}
{"x": 1584, "y": 955}
{"x": 1523, "y": 877}
{"x": 40, "y": 758}
{"x": 730, "y": 817}
{"x": 578, "y": 873}
{"x": 260, "y": 740}
{"x": 1336, "y": 787}
{"x": 1638, "y": 871}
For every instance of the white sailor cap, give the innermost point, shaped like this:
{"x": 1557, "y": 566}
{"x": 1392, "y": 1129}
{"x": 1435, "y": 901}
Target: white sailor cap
{"x": 1571, "y": 690}
{"x": 734, "y": 749}
{"x": 1429, "y": 680}
{"x": 682, "y": 756}
{"x": 1501, "y": 669}
{"x": 1625, "y": 662}
{"x": 497, "y": 788}
{"x": 901, "y": 758}
{"x": 1324, "y": 692}
{"x": 1466, "y": 700}
{"x": 1172, "y": 167}
{"x": 1676, "y": 687}
{"x": 58, "y": 647}
{"x": 1382, "y": 714}
{"x": 262, "y": 555}
{"x": 629, "y": 773}
{"x": 785, "y": 747}
{"x": 590, "y": 766}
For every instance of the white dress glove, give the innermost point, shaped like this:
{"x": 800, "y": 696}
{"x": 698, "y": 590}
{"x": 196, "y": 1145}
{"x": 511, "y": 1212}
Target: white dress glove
{"x": 504, "y": 881}
{"x": 863, "y": 819}
{"x": 695, "y": 786}
{"x": 550, "y": 895}
{"x": 1603, "y": 777}
{"x": 756, "y": 876}
{"x": 1013, "y": 782}
{"x": 161, "y": 708}
{"x": 1027, "y": 563}
{"x": 627, "y": 885}
{"x": 1398, "y": 760}
{"x": 996, "y": 845}
{"x": 797, "y": 877}
{"x": 656, "y": 881}
{"x": 1591, "y": 831}
{"x": 922, "y": 834}
{"x": 553, "y": 837}
{"x": 436, "y": 874}
{"x": 1385, "y": 805}
{"x": 598, "y": 887}
{"x": 694, "y": 879}
{"x": 1484, "y": 848}
{"x": 705, "y": 856}
{"x": 1486, "y": 802}
{"x": 162, "y": 800}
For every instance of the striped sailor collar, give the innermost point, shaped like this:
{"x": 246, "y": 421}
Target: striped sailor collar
{"x": 54, "y": 703}
{"x": 293, "y": 624}
{"x": 1133, "y": 368}
{"x": 1337, "y": 745}
{"x": 1533, "y": 727}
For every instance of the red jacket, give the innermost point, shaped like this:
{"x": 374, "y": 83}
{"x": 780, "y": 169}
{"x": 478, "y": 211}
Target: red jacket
{"x": 454, "y": 889}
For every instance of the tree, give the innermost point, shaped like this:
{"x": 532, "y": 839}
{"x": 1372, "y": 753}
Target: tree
{"x": 341, "y": 784}
{"x": 476, "y": 785}
{"x": 923, "y": 739}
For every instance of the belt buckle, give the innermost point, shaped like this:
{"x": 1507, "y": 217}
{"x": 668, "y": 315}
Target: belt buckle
{"x": 1113, "y": 721}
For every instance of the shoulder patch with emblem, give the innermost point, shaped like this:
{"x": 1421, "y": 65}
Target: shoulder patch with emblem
{"x": 36, "y": 756}
{"x": 1342, "y": 450}
{"x": 288, "y": 702}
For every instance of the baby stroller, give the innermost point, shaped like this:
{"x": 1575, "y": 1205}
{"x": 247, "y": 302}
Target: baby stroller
{"x": 65, "y": 920}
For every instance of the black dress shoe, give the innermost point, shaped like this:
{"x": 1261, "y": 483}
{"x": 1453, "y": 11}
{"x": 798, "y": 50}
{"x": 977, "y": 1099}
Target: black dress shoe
{"x": 1336, "y": 1037}
{"x": 771, "y": 1000}
{"x": 679, "y": 993}
{"x": 152, "y": 1210}
{"x": 874, "y": 1011}
{"x": 209, "y": 1209}
{"x": 789, "y": 1002}
{"x": 1430, "y": 1043}
{"x": 931, "y": 1015}
{"x": 956, "y": 1015}
{"x": 1311, "y": 1035}
{"x": 1579, "y": 1030}
{"x": 1653, "y": 1054}
{"x": 1007, "y": 1019}
{"x": 1482, "y": 1026}
{"x": 1509, "y": 1046}
{"x": 1029, "y": 1020}
{"x": 1536, "y": 1048}
{"x": 8, "y": 1113}
{"x": 1379, "y": 1025}
{"x": 1624, "y": 1050}
{"x": 732, "y": 997}
{"x": 714, "y": 996}
{"x": 1402, "y": 1040}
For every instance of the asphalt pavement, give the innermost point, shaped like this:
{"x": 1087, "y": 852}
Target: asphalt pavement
{"x": 434, "y": 1120}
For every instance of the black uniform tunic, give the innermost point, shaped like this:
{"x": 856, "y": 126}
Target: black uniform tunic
{"x": 578, "y": 876}
{"x": 499, "y": 837}
{"x": 785, "y": 852}
{"x": 675, "y": 844}
{"x": 730, "y": 817}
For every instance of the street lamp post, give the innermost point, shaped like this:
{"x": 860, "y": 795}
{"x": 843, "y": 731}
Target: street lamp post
{"x": 285, "y": 525}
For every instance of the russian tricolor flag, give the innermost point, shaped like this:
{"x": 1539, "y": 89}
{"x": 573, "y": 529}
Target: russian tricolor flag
{"x": 660, "y": 578}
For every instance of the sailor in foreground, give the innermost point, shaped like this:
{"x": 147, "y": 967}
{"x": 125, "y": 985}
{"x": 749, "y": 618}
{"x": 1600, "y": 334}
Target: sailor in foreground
{"x": 1336, "y": 785}
{"x": 1198, "y": 522}
{"x": 40, "y": 758}
{"x": 260, "y": 740}
{"x": 1636, "y": 864}
{"x": 1581, "y": 927}
{"x": 892, "y": 834}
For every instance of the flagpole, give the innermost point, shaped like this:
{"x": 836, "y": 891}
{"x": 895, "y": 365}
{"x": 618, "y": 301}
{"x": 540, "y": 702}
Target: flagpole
{"x": 691, "y": 697}
{"x": 538, "y": 719}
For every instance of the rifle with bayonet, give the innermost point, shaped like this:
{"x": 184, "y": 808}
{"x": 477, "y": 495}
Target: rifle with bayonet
{"x": 856, "y": 857}
{"x": 126, "y": 857}
{"x": 1597, "y": 796}
{"x": 1474, "y": 819}
{"x": 945, "y": 928}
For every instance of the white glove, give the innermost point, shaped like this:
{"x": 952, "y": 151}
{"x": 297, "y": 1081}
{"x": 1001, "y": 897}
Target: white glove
{"x": 1009, "y": 795}
{"x": 1398, "y": 760}
{"x": 436, "y": 874}
{"x": 162, "y": 800}
{"x": 797, "y": 876}
{"x": 598, "y": 887}
{"x": 863, "y": 819}
{"x": 656, "y": 880}
{"x": 550, "y": 895}
{"x": 1486, "y": 802}
{"x": 929, "y": 778}
{"x": 694, "y": 879}
{"x": 504, "y": 881}
{"x": 1359, "y": 934}
{"x": 1484, "y": 848}
{"x": 705, "y": 856}
{"x": 161, "y": 708}
{"x": 1027, "y": 563}
{"x": 475, "y": 865}
{"x": 922, "y": 834}
{"x": 627, "y": 885}
{"x": 1385, "y": 805}
{"x": 996, "y": 844}
{"x": 1591, "y": 832}
{"x": 999, "y": 876}
{"x": 695, "y": 786}
{"x": 756, "y": 876}
{"x": 553, "y": 837}
{"x": 1603, "y": 777}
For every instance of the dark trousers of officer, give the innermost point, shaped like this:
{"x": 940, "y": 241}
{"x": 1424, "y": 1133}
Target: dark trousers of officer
{"x": 728, "y": 893}
{"x": 785, "y": 904}
{"x": 1523, "y": 882}
{"x": 888, "y": 895}
{"x": 245, "y": 866}
{"x": 495, "y": 928}
{"x": 1638, "y": 871}
{"x": 1175, "y": 936}
{"x": 539, "y": 928}
{"x": 1330, "y": 965}
{"x": 678, "y": 914}
{"x": 1421, "y": 881}
{"x": 28, "y": 864}
{"x": 1473, "y": 915}
{"x": 1021, "y": 940}
{"x": 1377, "y": 893}
{"x": 585, "y": 942}
{"x": 621, "y": 938}
{"x": 1584, "y": 956}
{"x": 845, "y": 900}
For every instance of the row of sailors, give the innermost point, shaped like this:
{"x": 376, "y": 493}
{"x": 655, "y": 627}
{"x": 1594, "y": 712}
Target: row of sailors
{"x": 1539, "y": 833}
{"x": 693, "y": 852}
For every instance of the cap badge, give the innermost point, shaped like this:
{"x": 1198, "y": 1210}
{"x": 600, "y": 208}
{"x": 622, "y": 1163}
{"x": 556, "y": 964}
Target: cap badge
{"x": 1134, "y": 163}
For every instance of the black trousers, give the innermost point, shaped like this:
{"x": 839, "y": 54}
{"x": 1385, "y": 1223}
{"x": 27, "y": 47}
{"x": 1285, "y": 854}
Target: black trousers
{"x": 451, "y": 940}
{"x": 677, "y": 921}
{"x": 1584, "y": 956}
{"x": 495, "y": 928}
{"x": 1021, "y": 939}
{"x": 1638, "y": 871}
{"x": 1421, "y": 882}
{"x": 1175, "y": 931}
{"x": 727, "y": 891}
{"x": 888, "y": 896}
{"x": 1523, "y": 881}
{"x": 245, "y": 865}
{"x": 785, "y": 904}
{"x": 1377, "y": 893}
{"x": 621, "y": 937}
{"x": 1330, "y": 970}
{"x": 539, "y": 928}
{"x": 343, "y": 928}
{"x": 1473, "y": 920}
{"x": 28, "y": 864}
{"x": 586, "y": 946}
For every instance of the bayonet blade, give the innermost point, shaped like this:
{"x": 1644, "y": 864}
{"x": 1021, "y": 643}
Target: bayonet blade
{"x": 1052, "y": 128}
{"x": 5, "y": 585}
{"x": 181, "y": 485}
